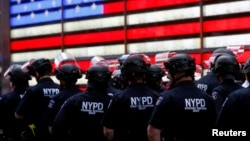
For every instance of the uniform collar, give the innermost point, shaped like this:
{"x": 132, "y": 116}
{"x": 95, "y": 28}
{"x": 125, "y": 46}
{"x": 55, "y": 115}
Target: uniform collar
{"x": 45, "y": 79}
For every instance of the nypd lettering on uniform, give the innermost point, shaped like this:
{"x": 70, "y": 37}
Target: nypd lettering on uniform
{"x": 92, "y": 107}
{"x": 50, "y": 91}
{"x": 202, "y": 86}
{"x": 195, "y": 104}
{"x": 141, "y": 102}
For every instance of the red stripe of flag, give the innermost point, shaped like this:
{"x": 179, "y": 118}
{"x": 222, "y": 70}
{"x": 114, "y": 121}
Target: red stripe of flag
{"x": 133, "y": 5}
{"x": 164, "y": 31}
{"x": 97, "y": 37}
{"x": 227, "y": 24}
{"x": 146, "y": 4}
{"x": 37, "y": 43}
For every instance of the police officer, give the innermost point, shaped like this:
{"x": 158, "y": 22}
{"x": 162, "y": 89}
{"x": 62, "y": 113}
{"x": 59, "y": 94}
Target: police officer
{"x": 116, "y": 79}
{"x": 129, "y": 111}
{"x": 67, "y": 74}
{"x": 154, "y": 78}
{"x": 226, "y": 69}
{"x": 184, "y": 112}
{"x": 235, "y": 114}
{"x": 79, "y": 117}
{"x": 122, "y": 59}
{"x": 209, "y": 81}
{"x": 19, "y": 82}
{"x": 35, "y": 101}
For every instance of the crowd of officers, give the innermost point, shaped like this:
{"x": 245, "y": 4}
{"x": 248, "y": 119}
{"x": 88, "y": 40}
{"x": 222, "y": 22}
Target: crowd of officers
{"x": 132, "y": 104}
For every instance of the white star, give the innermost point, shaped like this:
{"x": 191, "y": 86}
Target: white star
{"x": 93, "y": 6}
{"x": 39, "y": 5}
{"x": 85, "y": 0}
{"x": 31, "y": 0}
{"x": 19, "y": 1}
{"x": 25, "y": 7}
{"x": 46, "y": 13}
{"x": 32, "y": 15}
{"x": 77, "y": 9}
{"x": 69, "y": 1}
{"x": 53, "y": 3}
{"x": 18, "y": 17}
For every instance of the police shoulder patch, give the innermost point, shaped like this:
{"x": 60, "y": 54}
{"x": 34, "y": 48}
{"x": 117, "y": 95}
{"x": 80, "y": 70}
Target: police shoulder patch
{"x": 215, "y": 95}
{"x": 51, "y": 103}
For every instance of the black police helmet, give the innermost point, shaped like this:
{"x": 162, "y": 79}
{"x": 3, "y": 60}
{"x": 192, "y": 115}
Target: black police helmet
{"x": 15, "y": 74}
{"x": 40, "y": 65}
{"x": 226, "y": 64}
{"x": 123, "y": 58}
{"x": 98, "y": 73}
{"x": 223, "y": 51}
{"x": 180, "y": 62}
{"x": 116, "y": 78}
{"x": 155, "y": 72}
{"x": 135, "y": 64}
{"x": 68, "y": 72}
{"x": 216, "y": 53}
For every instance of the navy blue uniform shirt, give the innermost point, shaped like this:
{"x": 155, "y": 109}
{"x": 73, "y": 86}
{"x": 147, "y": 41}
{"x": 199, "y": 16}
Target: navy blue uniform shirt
{"x": 184, "y": 113}
{"x": 80, "y": 116}
{"x": 129, "y": 112}
{"x": 34, "y": 104}
{"x": 158, "y": 88}
{"x": 220, "y": 92}
{"x": 235, "y": 112}
{"x": 36, "y": 99}
{"x": 11, "y": 126}
{"x": 57, "y": 101}
{"x": 208, "y": 82}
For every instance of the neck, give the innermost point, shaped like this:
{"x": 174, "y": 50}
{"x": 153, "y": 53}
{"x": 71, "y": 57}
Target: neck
{"x": 42, "y": 77}
{"x": 179, "y": 77}
{"x": 136, "y": 81}
{"x": 185, "y": 78}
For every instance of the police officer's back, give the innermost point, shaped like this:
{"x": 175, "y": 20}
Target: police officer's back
{"x": 67, "y": 74}
{"x": 80, "y": 116}
{"x": 235, "y": 113}
{"x": 184, "y": 112}
{"x": 35, "y": 101}
{"x": 226, "y": 69}
{"x": 11, "y": 126}
{"x": 210, "y": 81}
{"x": 129, "y": 111}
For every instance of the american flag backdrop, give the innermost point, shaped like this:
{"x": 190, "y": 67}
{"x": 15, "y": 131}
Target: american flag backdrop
{"x": 87, "y": 28}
